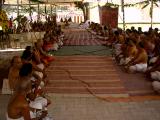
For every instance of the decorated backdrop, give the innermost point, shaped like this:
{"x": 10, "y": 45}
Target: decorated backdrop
{"x": 109, "y": 16}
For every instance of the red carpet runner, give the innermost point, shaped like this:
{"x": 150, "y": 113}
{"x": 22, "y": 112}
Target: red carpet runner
{"x": 71, "y": 74}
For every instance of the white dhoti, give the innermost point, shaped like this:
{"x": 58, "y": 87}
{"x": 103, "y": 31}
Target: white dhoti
{"x": 40, "y": 74}
{"x": 118, "y": 52}
{"x": 156, "y": 86}
{"x": 153, "y": 60}
{"x": 39, "y": 103}
{"x": 7, "y": 118}
{"x": 124, "y": 61}
{"x": 155, "y": 75}
{"x": 118, "y": 46}
{"x": 41, "y": 66}
{"x": 55, "y": 46}
{"x": 60, "y": 43}
{"x": 41, "y": 85}
{"x": 142, "y": 67}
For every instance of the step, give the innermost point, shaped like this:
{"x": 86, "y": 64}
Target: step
{"x": 61, "y": 71}
{"x": 82, "y": 64}
{"x": 84, "y": 78}
{"x": 83, "y": 57}
{"x": 82, "y": 90}
{"x": 79, "y": 69}
{"x": 65, "y": 74}
{"x": 107, "y": 60}
{"x": 81, "y": 84}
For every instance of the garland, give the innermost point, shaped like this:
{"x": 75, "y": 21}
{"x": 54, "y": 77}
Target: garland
{"x": 125, "y": 5}
{"x": 3, "y": 20}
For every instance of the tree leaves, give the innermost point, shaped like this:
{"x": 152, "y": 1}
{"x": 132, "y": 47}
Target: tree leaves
{"x": 37, "y": 1}
{"x": 79, "y": 5}
{"x": 145, "y": 5}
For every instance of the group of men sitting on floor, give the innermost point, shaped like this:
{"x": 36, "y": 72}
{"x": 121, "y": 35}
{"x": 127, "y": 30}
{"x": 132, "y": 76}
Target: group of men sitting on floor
{"x": 26, "y": 81}
{"x": 136, "y": 50}
{"x": 53, "y": 39}
{"x": 39, "y": 26}
{"x": 100, "y": 32}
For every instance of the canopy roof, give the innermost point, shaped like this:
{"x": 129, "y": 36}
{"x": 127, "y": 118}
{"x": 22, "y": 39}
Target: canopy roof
{"x": 65, "y": 1}
{"x": 47, "y": 1}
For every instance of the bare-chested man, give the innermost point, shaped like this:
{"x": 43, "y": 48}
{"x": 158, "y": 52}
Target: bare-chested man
{"x": 130, "y": 53}
{"x": 13, "y": 75}
{"x": 18, "y": 107}
{"x": 139, "y": 63}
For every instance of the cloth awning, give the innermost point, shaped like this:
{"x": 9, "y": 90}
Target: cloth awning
{"x": 65, "y": 1}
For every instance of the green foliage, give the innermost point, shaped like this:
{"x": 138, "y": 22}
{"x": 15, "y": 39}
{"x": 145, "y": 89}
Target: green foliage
{"x": 148, "y": 3}
{"x": 79, "y": 5}
{"x": 37, "y": 1}
{"x": 144, "y": 3}
{"x": 111, "y": 5}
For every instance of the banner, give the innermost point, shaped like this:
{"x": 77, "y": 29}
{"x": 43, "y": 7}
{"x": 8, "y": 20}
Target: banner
{"x": 109, "y": 16}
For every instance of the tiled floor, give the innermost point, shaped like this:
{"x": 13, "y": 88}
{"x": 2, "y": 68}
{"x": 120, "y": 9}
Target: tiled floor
{"x": 89, "y": 108}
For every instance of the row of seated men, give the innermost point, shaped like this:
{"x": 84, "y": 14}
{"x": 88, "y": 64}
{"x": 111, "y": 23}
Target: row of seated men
{"x": 138, "y": 52}
{"x": 53, "y": 39}
{"x": 99, "y": 31}
{"x": 40, "y": 26}
{"x": 36, "y": 26}
{"x": 27, "y": 81}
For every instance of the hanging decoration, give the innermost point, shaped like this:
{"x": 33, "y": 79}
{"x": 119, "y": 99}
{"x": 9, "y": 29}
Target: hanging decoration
{"x": 125, "y": 5}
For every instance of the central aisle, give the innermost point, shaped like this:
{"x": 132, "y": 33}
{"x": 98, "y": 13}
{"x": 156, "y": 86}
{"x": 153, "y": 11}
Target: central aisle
{"x": 84, "y": 75}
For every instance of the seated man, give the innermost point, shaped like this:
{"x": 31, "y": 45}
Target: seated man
{"x": 30, "y": 56}
{"x": 47, "y": 44}
{"x": 131, "y": 52}
{"x": 44, "y": 57}
{"x": 13, "y": 75}
{"x": 154, "y": 73}
{"x": 38, "y": 68}
{"x": 18, "y": 107}
{"x": 139, "y": 63}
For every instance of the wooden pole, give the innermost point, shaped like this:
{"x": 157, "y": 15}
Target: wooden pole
{"x": 51, "y": 8}
{"x": 151, "y": 13}
{"x": 18, "y": 11}
{"x": 1, "y": 2}
{"x": 123, "y": 14}
{"x": 38, "y": 12}
{"x": 30, "y": 10}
